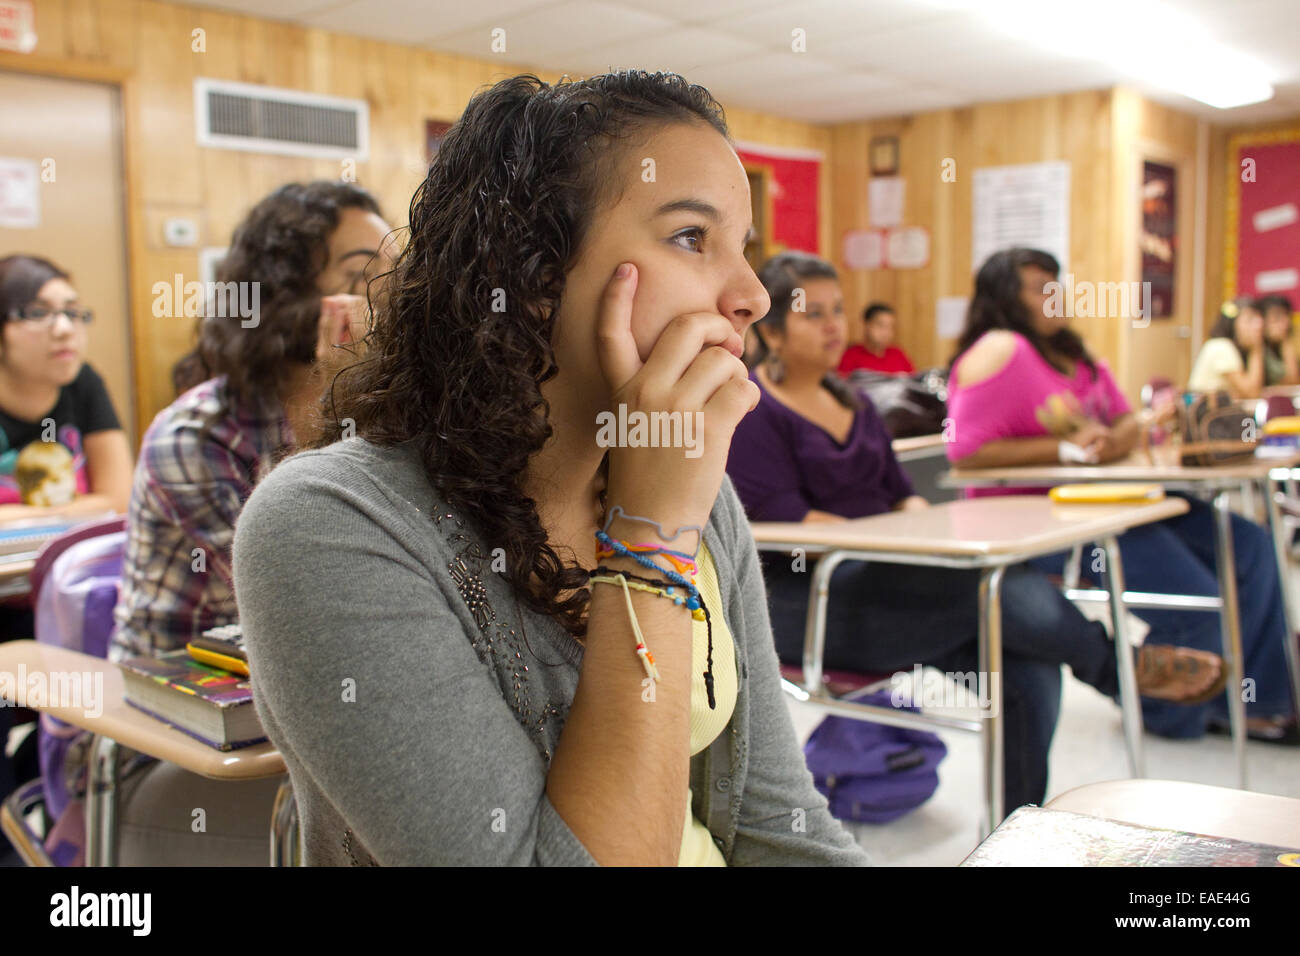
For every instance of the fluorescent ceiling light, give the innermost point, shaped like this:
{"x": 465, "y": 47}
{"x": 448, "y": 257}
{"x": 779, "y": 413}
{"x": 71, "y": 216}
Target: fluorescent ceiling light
{"x": 1147, "y": 40}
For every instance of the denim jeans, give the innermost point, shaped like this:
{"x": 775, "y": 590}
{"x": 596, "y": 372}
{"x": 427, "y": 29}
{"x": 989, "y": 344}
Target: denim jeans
{"x": 1177, "y": 555}
{"x": 887, "y": 617}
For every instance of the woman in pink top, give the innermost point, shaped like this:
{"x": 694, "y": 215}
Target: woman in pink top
{"x": 1025, "y": 391}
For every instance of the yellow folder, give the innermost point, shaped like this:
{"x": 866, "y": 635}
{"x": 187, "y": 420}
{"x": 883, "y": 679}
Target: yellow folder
{"x": 1107, "y": 493}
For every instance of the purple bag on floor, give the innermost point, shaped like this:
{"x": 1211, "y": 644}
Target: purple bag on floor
{"x": 873, "y": 773}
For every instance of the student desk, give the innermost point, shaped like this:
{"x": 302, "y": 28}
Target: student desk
{"x": 1193, "y": 807}
{"x": 120, "y": 724}
{"x": 14, "y": 575}
{"x": 1217, "y": 481}
{"x": 988, "y": 534}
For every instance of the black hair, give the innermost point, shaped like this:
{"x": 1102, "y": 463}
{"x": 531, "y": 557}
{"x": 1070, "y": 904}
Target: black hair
{"x": 1274, "y": 302}
{"x": 21, "y": 279}
{"x": 1225, "y": 326}
{"x": 781, "y": 276}
{"x": 874, "y": 309}
{"x": 996, "y": 304}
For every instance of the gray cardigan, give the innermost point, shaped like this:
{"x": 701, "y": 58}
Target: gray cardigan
{"x": 417, "y": 704}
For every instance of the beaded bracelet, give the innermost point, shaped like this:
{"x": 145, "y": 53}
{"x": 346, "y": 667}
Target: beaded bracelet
{"x": 682, "y": 563}
{"x": 618, "y": 578}
{"x": 693, "y": 601}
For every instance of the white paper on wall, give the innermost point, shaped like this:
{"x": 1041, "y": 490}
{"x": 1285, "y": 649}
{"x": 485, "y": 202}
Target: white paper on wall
{"x": 20, "y": 193}
{"x": 864, "y": 249}
{"x": 885, "y": 200}
{"x": 1022, "y": 205}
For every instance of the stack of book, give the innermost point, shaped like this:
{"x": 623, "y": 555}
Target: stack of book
{"x": 211, "y": 704}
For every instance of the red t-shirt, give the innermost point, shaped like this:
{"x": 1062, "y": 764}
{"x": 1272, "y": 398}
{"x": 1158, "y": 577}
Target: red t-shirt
{"x": 894, "y": 361}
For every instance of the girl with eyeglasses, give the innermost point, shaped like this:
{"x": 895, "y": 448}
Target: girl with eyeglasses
{"x": 50, "y": 394}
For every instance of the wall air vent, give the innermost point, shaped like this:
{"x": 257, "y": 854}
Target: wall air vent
{"x": 265, "y": 119}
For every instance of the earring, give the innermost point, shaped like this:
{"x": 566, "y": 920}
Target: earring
{"x": 775, "y": 368}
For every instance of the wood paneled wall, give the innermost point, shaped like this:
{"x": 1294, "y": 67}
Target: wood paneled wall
{"x": 146, "y": 48}
{"x": 1102, "y": 134}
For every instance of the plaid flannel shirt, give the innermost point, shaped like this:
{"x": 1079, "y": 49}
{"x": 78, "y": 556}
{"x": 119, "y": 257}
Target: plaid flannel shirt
{"x": 199, "y": 462}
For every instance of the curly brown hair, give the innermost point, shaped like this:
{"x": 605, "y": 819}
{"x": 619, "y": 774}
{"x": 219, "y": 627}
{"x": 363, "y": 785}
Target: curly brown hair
{"x": 283, "y": 245}
{"x": 459, "y": 351}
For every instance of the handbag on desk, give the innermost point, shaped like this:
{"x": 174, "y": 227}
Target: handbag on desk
{"x": 1215, "y": 430}
{"x": 910, "y": 405}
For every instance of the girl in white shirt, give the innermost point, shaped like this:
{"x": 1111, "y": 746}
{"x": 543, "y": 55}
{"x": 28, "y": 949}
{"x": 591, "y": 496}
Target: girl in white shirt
{"x": 1232, "y": 359}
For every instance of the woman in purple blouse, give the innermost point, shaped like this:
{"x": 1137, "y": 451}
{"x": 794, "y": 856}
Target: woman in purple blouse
{"x": 815, "y": 450}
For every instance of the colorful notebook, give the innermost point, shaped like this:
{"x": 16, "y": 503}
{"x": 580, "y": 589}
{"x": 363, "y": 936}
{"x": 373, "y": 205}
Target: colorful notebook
{"x": 209, "y": 704}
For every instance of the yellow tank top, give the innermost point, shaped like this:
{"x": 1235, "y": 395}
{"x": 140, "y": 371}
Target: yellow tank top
{"x": 698, "y": 848}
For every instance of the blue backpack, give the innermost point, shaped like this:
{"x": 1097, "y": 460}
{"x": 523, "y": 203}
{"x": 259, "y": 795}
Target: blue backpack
{"x": 873, "y": 773}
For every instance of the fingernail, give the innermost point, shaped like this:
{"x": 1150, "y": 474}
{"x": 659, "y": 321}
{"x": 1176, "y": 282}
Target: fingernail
{"x": 623, "y": 271}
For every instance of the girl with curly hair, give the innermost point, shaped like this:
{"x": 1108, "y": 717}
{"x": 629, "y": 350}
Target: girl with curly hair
{"x": 250, "y": 394}
{"x": 446, "y": 678}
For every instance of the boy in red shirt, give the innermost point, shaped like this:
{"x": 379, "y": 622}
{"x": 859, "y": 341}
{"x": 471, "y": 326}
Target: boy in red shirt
{"x": 877, "y": 353}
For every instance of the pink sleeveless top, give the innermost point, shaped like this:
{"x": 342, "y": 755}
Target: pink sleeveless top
{"x": 1028, "y": 398}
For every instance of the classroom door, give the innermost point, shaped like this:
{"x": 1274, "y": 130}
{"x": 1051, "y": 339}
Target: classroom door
{"x": 72, "y": 131}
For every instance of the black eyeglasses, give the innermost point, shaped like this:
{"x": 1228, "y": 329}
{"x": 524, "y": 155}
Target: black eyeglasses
{"x": 42, "y": 317}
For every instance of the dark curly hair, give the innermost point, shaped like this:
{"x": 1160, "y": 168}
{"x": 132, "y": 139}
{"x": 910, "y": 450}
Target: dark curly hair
{"x": 996, "y": 305}
{"x": 283, "y": 245}
{"x": 462, "y": 344}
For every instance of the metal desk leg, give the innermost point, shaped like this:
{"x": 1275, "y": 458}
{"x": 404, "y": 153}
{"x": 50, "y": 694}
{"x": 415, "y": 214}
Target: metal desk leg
{"x": 990, "y": 661}
{"x": 814, "y": 642}
{"x": 284, "y": 827}
{"x": 1231, "y": 619}
{"x": 1130, "y": 704}
{"x": 101, "y": 803}
{"x": 1072, "y": 563}
{"x": 1282, "y": 548}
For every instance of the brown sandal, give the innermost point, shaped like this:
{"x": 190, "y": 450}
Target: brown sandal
{"x": 1163, "y": 669}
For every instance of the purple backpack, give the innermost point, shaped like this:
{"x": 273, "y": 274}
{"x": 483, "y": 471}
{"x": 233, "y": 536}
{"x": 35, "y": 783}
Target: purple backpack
{"x": 873, "y": 773}
{"x": 74, "y": 609}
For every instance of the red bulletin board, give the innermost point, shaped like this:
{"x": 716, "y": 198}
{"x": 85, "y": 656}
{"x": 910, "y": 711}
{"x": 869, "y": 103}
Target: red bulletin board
{"x": 795, "y": 179}
{"x": 1263, "y": 215}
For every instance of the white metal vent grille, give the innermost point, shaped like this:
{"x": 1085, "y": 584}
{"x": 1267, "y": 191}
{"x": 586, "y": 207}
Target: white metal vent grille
{"x": 265, "y": 119}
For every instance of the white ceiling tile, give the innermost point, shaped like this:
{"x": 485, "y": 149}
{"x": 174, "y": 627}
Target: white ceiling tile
{"x": 681, "y": 50}
{"x": 701, "y": 11}
{"x": 824, "y": 21}
{"x": 413, "y": 21}
{"x": 864, "y": 57}
{"x": 541, "y": 35}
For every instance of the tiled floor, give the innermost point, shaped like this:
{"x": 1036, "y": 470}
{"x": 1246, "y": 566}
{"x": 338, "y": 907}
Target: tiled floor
{"x": 1088, "y": 747}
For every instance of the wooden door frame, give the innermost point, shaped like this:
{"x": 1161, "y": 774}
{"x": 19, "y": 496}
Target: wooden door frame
{"x": 125, "y": 82}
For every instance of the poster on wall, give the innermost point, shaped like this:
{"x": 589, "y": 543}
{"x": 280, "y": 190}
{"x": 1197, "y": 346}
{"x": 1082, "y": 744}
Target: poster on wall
{"x": 20, "y": 193}
{"x": 1263, "y": 254}
{"x": 1159, "y": 236}
{"x": 1023, "y": 205}
{"x": 795, "y": 177}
